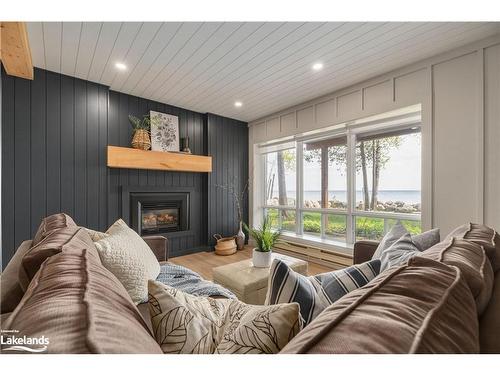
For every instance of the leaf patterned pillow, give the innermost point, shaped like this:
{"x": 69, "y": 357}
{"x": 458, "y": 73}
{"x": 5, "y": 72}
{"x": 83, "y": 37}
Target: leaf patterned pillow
{"x": 183, "y": 323}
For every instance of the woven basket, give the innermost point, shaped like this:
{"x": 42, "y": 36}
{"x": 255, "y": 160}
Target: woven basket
{"x": 141, "y": 140}
{"x": 225, "y": 245}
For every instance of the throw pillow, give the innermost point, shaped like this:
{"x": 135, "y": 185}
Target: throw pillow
{"x": 50, "y": 224}
{"x": 427, "y": 239}
{"x": 96, "y": 235}
{"x": 396, "y": 232}
{"x": 129, "y": 258}
{"x": 315, "y": 293}
{"x": 183, "y": 323}
{"x": 399, "y": 252}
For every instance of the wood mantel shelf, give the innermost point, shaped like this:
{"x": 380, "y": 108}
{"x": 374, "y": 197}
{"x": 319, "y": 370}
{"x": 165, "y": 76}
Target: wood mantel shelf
{"x": 125, "y": 157}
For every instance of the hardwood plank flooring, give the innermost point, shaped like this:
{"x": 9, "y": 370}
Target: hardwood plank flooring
{"x": 204, "y": 262}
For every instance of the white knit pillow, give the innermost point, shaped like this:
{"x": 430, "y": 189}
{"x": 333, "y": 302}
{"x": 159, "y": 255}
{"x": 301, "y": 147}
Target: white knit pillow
{"x": 96, "y": 235}
{"x": 129, "y": 258}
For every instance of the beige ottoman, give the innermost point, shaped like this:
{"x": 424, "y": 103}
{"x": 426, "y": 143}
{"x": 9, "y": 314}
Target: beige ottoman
{"x": 249, "y": 283}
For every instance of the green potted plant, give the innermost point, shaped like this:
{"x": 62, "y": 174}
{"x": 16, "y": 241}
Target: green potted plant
{"x": 265, "y": 238}
{"x": 141, "y": 138}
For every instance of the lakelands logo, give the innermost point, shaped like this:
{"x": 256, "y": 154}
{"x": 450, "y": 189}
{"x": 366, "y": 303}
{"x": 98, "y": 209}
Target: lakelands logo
{"x": 11, "y": 341}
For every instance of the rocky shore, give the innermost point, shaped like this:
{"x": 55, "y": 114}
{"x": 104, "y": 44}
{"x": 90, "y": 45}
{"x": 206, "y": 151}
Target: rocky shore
{"x": 388, "y": 206}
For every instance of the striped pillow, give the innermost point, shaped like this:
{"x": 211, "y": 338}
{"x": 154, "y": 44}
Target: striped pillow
{"x": 315, "y": 293}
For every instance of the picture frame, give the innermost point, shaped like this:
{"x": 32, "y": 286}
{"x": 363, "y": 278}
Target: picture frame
{"x": 164, "y": 132}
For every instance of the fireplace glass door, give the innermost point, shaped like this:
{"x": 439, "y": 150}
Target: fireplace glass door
{"x": 158, "y": 213}
{"x": 159, "y": 220}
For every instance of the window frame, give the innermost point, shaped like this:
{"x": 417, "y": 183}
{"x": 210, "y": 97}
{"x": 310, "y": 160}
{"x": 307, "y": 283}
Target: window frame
{"x": 351, "y": 213}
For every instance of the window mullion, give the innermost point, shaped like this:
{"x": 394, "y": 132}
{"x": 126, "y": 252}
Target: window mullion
{"x": 351, "y": 187}
{"x": 264, "y": 179}
{"x": 299, "y": 166}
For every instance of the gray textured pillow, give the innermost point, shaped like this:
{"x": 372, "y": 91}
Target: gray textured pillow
{"x": 427, "y": 239}
{"x": 396, "y": 232}
{"x": 400, "y": 251}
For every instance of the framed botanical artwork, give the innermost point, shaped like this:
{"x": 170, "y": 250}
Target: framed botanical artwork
{"x": 164, "y": 131}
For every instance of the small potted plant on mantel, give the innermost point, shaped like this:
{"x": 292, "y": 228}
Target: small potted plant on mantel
{"x": 265, "y": 239}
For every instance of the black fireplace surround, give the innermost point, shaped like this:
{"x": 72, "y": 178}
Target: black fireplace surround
{"x": 157, "y": 211}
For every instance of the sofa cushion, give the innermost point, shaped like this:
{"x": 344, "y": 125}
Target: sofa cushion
{"x": 129, "y": 258}
{"x": 427, "y": 239}
{"x": 422, "y": 241}
{"x": 396, "y": 232}
{"x": 398, "y": 253}
{"x": 315, "y": 293}
{"x": 10, "y": 289}
{"x": 484, "y": 236}
{"x": 489, "y": 325}
{"x": 471, "y": 259}
{"x": 51, "y": 223}
{"x": 81, "y": 308}
{"x": 420, "y": 307}
{"x": 57, "y": 241}
{"x": 183, "y": 323}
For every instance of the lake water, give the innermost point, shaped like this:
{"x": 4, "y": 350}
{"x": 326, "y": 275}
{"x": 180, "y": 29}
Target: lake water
{"x": 407, "y": 196}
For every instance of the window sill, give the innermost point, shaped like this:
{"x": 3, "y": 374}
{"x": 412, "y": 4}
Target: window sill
{"x": 318, "y": 242}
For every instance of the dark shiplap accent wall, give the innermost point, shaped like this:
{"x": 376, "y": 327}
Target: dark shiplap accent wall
{"x": 227, "y": 142}
{"x": 55, "y": 132}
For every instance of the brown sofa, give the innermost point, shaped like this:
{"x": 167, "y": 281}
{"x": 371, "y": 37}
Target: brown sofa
{"x": 419, "y": 307}
{"x": 61, "y": 264}
{"x": 431, "y": 304}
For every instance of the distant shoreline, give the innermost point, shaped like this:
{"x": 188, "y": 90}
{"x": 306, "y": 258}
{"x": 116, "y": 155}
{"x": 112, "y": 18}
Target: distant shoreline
{"x": 407, "y": 196}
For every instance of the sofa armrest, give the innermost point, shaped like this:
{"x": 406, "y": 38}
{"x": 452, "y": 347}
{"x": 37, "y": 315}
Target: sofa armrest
{"x": 159, "y": 245}
{"x": 364, "y": 250}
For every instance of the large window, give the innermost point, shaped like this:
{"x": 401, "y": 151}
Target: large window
{"x": 280, "y": 178}
{"x": 352, "y": 184}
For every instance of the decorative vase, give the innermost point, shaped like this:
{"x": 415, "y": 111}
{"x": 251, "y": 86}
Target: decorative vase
{"x": 141, "y": 140}
{"x": 240, "y": 238}
{"x": 185, "y": 145}
{"x": 261, "y": 259}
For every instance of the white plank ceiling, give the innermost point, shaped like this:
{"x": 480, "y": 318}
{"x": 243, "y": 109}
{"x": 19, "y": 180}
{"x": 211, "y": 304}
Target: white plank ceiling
{"x": 206, "y": 67}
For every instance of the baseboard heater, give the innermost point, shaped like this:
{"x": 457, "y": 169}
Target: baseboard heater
{"x": 327, "y": 258}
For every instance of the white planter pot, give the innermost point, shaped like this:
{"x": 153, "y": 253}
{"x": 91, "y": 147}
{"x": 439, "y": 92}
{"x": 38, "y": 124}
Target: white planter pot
{"x": 261, "y": 259}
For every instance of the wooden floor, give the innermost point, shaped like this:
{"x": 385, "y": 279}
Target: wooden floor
{"x": 204, "y": 262}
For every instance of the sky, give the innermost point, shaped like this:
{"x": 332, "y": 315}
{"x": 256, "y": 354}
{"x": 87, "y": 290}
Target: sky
{"x": 402, "y": 172}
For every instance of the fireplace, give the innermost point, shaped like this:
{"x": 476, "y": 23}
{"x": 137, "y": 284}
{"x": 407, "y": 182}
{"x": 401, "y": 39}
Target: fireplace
{"x": 159, "y": 212}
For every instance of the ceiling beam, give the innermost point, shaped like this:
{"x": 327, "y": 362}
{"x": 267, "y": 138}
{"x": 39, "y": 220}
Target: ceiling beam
{"x": 15, "y": 50}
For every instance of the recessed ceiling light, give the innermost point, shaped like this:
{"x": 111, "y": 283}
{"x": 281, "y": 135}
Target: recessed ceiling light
{"x": 317, "y": 66}
{"x": 120, "y": 66}
{"x": 238, "y": 104}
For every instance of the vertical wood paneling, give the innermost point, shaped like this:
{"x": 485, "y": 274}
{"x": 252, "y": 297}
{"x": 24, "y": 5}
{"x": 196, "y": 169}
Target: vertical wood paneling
{"x": 103, "y": 142}
{"x": 227, "y": 143}
{"x": 67, "y": 145}
{"x": 80, "y": 214}
{"x": 38, "y": 150}
{"x": 92, "y": 156}
{"x": 133, "y": 109}
{"x": 53, "y": 154}
{"x": 8, "y": 188}
{"x": 22, "y": 154}
{"x": 54, "y": 137}
{"x": 113, "y": 173}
